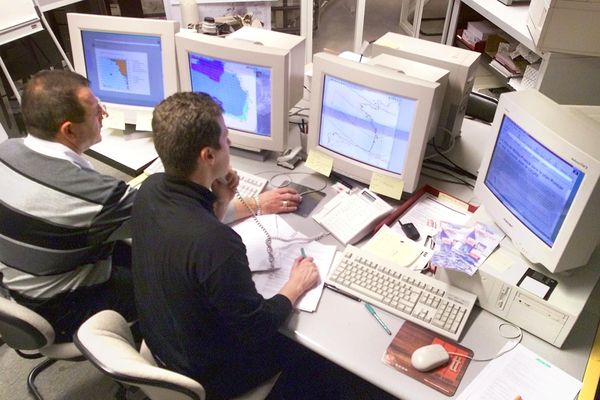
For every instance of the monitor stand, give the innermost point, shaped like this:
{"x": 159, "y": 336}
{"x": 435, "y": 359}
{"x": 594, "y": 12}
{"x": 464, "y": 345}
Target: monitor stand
{"x": 257, "y": 155}
{"x": 131, "y": 131}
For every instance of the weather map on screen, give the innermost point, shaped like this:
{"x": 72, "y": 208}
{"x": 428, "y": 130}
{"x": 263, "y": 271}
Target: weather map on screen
{"x": 244, "y": 91}
{"x": 366, "y": 125}
{"x": 123, "y": 68}
{"x": 123, "y": 71}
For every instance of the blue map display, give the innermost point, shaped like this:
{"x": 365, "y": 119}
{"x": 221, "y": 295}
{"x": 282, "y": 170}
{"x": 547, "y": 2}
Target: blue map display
{"x": 212, "y": 78}
{"x": 243, "y": 90}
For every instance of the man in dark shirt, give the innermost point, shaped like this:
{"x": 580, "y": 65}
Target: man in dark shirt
{"x": 199, "y": 310}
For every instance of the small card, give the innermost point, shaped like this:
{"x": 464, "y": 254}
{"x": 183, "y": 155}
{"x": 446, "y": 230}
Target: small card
{"x": 444, "y": 379}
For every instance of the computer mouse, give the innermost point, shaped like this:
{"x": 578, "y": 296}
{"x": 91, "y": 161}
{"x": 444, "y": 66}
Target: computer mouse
{"x": 429, "y": 357}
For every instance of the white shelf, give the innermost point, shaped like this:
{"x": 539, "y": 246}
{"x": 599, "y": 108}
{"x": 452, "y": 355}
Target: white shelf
{"x": 511, "y": 19}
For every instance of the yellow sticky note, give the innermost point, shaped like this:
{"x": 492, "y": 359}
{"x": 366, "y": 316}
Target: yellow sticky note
{"x": 386, "y": 185}
{"x": 143, "y": 121}
{"x": 115, "y": 120}
{"x": 454, "y": 201}
{"x": 319, "y": 162}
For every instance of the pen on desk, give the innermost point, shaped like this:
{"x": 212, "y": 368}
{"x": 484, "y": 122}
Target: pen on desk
{"x": 371, "y": 310}
{"x": 335, "y": 289}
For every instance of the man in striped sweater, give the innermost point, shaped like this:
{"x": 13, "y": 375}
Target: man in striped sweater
{"x": 60, "y": 219}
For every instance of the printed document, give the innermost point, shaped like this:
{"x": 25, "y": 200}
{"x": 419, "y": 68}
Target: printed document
{"x": 524, "y": 373}
{"x": 269, "y": 283}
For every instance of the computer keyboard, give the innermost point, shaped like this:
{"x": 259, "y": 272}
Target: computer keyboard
{"x": 408, "y": 294}
{"x": 250, "y": 185}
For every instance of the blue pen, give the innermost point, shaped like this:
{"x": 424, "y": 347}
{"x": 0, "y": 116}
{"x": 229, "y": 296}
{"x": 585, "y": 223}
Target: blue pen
{"x": 371, "y": 310}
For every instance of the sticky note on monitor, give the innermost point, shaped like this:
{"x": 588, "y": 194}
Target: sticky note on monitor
{"x": 386, "y": 185}
{"x": 319, "y": 162}
{"x": 143, "y": 121}
{"x": 115, "y": 120}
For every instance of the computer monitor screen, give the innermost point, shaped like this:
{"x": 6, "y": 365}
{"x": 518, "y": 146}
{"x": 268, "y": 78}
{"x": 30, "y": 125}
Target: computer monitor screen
{"x": 129, "y": 62}
{"x": 385, "y": 120}
{"x": 369, "y": 119}
{"x": 520, "y": 161}
{"x": 250, "y": 79}
{"x": 244, "y": 91}
{"x": 540, "y": 179}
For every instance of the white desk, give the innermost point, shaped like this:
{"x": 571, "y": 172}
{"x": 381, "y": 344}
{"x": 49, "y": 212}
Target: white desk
{"x": 345, "y": 333}
{"x": 342, "y": 331}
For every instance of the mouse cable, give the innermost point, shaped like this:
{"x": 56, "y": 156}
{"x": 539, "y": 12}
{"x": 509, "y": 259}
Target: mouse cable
{"x": 289, "y": 180}
{"x": 518, "y": 335}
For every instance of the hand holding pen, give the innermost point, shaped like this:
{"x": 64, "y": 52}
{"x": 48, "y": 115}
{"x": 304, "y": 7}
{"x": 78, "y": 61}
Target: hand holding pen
{"x": 303, "y": 277}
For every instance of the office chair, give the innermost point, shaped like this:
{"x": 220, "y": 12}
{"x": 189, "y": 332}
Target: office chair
{"x": 25, "y": 330}
{"x": 106, "y": 340}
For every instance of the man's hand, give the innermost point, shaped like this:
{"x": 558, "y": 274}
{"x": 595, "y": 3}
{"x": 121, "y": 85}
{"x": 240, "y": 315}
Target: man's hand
{"x": 279, "y": 201}
{"x": 224, "y": 190}
{"x": 303, "y": 277}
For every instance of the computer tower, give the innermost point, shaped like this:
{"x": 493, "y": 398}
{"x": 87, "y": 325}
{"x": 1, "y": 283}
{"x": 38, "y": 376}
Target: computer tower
{"x": 462, "y": 65}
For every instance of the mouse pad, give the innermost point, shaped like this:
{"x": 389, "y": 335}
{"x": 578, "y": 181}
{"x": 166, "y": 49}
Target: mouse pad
{"x": 309, "y": 200}
{"x": 444, "y": 379}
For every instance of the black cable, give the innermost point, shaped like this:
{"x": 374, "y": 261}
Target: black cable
{"x": 451, "y": 168}
{"x": 465, "y": 172}
{"x": 458, "y": 180}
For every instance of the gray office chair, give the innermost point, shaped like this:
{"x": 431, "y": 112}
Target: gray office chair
{"x": 25, "y": 330}
{"x": 105, "y": 339}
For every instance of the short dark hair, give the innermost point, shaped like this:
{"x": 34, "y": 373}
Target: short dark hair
{"x": 183, "y": 124}
{"x": 50, "y": 98}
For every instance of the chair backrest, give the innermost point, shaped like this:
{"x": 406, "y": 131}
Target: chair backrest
{"x": 106, "y": 340}
{"x": 22, "y": 328}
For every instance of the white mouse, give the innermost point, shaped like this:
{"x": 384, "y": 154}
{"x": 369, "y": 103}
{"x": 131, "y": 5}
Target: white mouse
{"x": 429, "y": 357}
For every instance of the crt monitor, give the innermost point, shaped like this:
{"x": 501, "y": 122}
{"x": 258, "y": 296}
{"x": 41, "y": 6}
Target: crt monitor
{"x": 130, "y": 62}
{"x": 251, "y": 80}
{"x": 538, "y": 180}
{"x": 370, "y": 120}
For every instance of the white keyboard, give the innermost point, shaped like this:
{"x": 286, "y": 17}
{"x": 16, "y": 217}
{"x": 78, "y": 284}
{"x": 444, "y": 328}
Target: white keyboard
{"x": 250, "y": 185}
{"x": 408, "y": 294}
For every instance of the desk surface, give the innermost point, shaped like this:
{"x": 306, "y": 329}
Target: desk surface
{"x": 342, "y": 331}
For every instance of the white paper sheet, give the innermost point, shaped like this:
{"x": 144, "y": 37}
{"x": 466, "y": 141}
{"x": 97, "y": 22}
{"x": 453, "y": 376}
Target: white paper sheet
{"x": 270, "y": 283}
{"x": 254, "y": 239}
{"x": 521, "y": 372}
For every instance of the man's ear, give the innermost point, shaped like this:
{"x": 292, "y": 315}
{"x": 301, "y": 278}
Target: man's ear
{"x": 65, "y": 130}
{"x": 206, "y": 154}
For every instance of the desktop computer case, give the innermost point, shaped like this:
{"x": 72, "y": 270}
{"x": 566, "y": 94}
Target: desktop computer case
{"x": 496, "y": 286}
{"x": 461, "y": 63}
